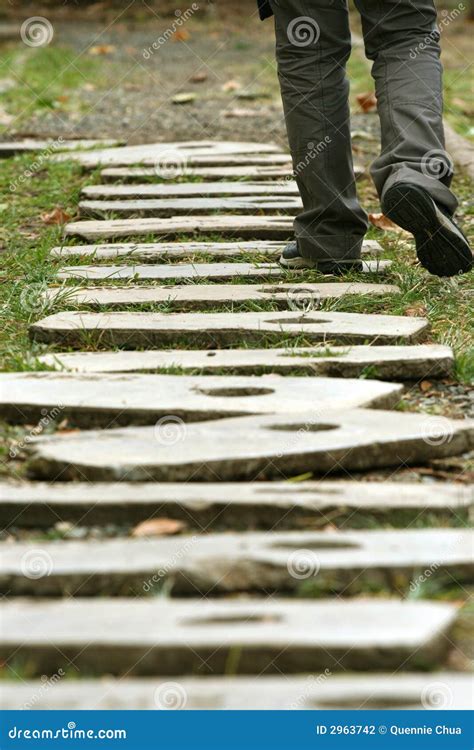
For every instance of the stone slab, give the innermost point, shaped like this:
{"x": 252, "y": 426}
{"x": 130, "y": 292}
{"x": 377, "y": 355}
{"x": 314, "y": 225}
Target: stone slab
{"x": 171, "y": 207}
{"x": 344, "y": 563}
{"x": 172, "y": 271}
{"x": 415, "y": 362}
{"x": 410, "y": 691}
{"x": 239, "y": 505}
{"x": 147, "y": 330}
{"x": 171, "y": 154}
{"x": 207, "y": 296}
{"x": 252, "y": 169}
{"x": 251, "y": 227}
{"x": 150, "y": 252}
{"x": 26, "y": 145}
{"x": 197, "y": 637}
{"x": 111, "y": 400}
{"x": 189, "y": 189}
{"x": 249, "y": 448}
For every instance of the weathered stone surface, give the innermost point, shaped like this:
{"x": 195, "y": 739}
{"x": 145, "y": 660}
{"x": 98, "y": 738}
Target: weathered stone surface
{"x": 199, "y": 296}
{"x": 156, "y": 251}
{"x": 250, "y": 227}
{"x": 432, "y": 690}
{"x": 172, "y": 271}
{"x": 111, "y": 400}
{"x": 260, "y": 447}
{"x": 25, "y": 145}
{"x": 189, "y": 189}
{"x": 239, "y": 505}
{"x": 386, "y": 362}
{"x": 142, "y": 329}
{"x": 155, "y": 637}
{"x": 168, "y": 157}
{"x": 252, "y": 169}
{"x": 251, "y": 204}
{"x": 341, "y": 562}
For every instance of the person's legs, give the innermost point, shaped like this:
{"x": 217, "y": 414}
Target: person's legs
{"x": 313, "y": 44}
{"x": 413, "y": 172}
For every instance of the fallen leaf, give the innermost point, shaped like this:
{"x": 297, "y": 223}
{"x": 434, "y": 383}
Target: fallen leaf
{"x": 180, "y": 35}
{"x": 236, "y": 112}
{"x": 383, "y": 222}
{"x": 199, "y": 77}
{"x": 425, "y": 386}
{"x": 183, "y": 98}
{"x": 231, "y": 86}
{"x": 158, "y": 527}
{"x": 367, "y": 101}
{"x": 56, "y": 216}
{"x": 102, "y": 49}
{"x": 417, "y": 311}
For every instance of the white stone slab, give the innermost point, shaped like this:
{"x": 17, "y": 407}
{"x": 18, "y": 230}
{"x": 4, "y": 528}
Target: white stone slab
{"x": 251, "y": 204}
{"x": 110, "y": 400}
{"x": 189, "y": 189}
{"x": 413, "y": 362}
{"x": 251, "y": 448}
{"x": 25, "y": 145}
{"x": 253, "y": 169}
{"x": 199, "y": 296}
{"x": 252, "y": 227}
{"x": 415, "y": 691}
{"x": 156, "y": 636}
{"x": 172, "y": 271}
{"x": 171, "y": 155}
{"x": 208, "y": 565}
{"x": 238, "y": 505}
{"x": 152, "y": 252}
{"x": 146, "y": 330}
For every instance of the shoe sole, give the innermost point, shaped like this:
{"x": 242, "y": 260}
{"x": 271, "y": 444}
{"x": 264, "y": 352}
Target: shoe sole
{"x": 440, "y": 246}
{"x": 296, "y": 263}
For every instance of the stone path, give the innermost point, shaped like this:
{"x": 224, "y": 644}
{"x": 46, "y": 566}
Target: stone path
{"x": 228, "y": 447}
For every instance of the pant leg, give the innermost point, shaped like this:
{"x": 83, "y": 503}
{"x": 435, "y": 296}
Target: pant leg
{"x": 312, "y": 46}
{"x": 402, "y": 39}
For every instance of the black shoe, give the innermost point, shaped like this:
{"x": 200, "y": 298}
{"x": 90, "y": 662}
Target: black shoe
{"x": 441, "y": 247}
{"x": 292, "y": 259}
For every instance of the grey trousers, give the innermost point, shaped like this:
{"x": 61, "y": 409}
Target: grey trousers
{"x": 313, "y": 44}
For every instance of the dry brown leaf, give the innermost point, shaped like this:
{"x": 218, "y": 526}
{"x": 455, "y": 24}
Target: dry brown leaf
{"x": 383, "y": 222}
{"x": 231, "y": 86}
{"x": 181, "y": 35}
{"x": 102, "y": 49}
{"x": 417, "y": 311}
{"x": 367, "y": 101}
{"x": 199, "y": 77}
{"x": 56, "y": 216}
{"x": 240, "y": 112}
{"x": 425, "y": 386}
{"x": 158, "y": 527}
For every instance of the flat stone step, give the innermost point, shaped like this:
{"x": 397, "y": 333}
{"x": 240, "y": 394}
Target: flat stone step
{"x": 246, "y": 448}
{"x": 170, "y": 156}
{"x": 158, "y": 637}
{"x": 189, "y": 189}
{"x": 173, "y": 271}
{"x": 415, "y": 691}
{"x": 414, "y": 362}
{"x": 152, "y": 252}
{"x": 26, "y": 145}
{"x": 111, "y": 400}
{"x": 147, "y": 330}
{"x": 342, "y": 563}
{"x": 251, "y": 204}
{"x": 248, "y": 168}
{"x": 207, "y": 296}
{"x": 239, "y": 505}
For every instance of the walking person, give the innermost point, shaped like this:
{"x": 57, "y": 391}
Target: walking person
{"x": 413, "y": 172}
